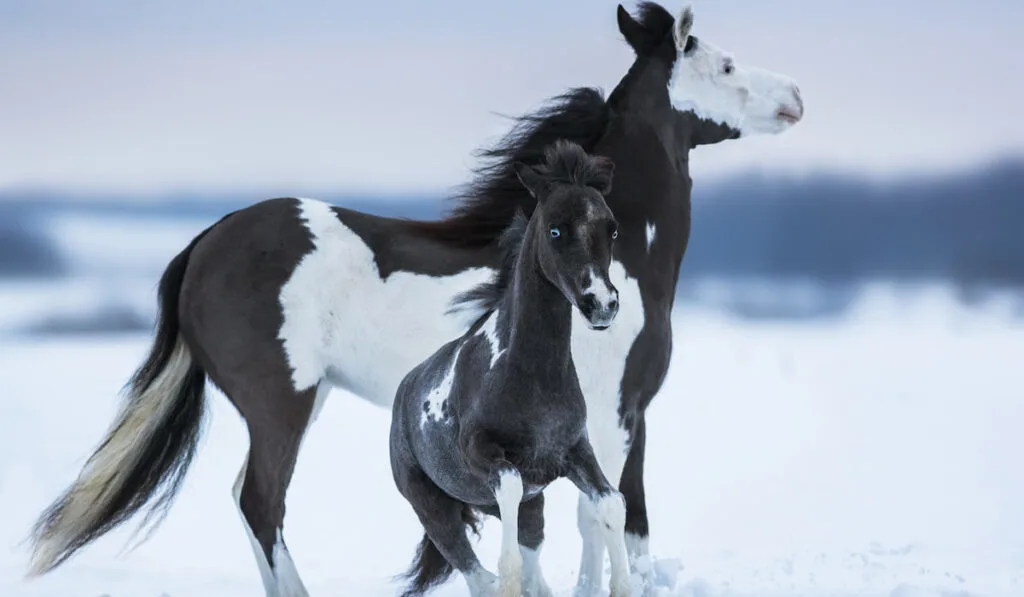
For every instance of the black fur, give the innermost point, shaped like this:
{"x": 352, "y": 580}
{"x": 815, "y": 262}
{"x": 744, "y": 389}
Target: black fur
{"x": 485, "y": 207}
{"x": 429, "y": 569}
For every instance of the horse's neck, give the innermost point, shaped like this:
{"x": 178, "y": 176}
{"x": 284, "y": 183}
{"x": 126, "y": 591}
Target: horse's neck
{"x": 540, "y": 318}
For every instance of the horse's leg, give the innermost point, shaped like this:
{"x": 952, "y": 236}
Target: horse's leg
{"x": 275, "y": 436}
{"x": 508, "y": 491}
{"x": 444, "y": 522}
{"x": 611, "y": 458}
{"x": 632, "y": 488}
{"x": 531, "y": 536}
{"x": 609, "y": 508}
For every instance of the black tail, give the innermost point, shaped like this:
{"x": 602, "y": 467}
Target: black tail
{"x": 146, "y": 453}
{"x": 429, "y": 568}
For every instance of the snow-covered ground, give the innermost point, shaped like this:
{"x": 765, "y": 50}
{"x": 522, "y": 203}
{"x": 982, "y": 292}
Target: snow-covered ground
{"x": 878, "y": 455}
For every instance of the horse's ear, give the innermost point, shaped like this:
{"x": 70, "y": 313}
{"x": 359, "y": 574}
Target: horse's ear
{"x": 531, "y": 179}
{"x": 635, "y": 34}
{"x": 681, "y": 31}
{"x": 604, "y": 169}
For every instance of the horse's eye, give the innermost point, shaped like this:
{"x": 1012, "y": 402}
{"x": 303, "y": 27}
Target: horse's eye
{"x": 615, "y": 234}
{"x": 555, "y": 233}
{"x": 728, "y": 68}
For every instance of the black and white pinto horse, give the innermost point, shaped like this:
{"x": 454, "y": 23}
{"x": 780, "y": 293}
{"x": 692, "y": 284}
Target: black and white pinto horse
{"x": 281, "y": 301}
{"x": 493, "y": 417}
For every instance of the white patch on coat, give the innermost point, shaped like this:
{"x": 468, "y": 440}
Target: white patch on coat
{"x": 438, "y": 395}
{"x": 599, "y": 289}
{"x": 600, "y": 360}
{"x": 489, "y": 330}
{"x": 509, "y": 495}
{"x": 650, "y": 230}
{"x": 363, "y": 333}
{"x": 709, "y": 83}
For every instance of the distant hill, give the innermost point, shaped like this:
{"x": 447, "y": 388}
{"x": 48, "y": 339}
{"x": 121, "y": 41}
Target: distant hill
{"x": 967, "y": 228}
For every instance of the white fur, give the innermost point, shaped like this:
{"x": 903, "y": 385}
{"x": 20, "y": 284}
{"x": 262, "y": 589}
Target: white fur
{"x": 747, "y": 99}
{"x": 534, "y": 584}
{"x": 481, "y": 582}
{"x": 438, "y": 395}
{"x": 650, "y": 232}
{"x": 599, "y": 289}
{"x": 106, "y": 470}
{"x": 510, "y": 564}
{"x": 489, "y": 330}
{"x": 344, "y": 323}
{"x": 611, "y": 512}
{"x": 600, "y": 360}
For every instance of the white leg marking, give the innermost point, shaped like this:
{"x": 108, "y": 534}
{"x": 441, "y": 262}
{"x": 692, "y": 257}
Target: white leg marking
{"x": 481, "y": 583}
{"x": 281, "y": 579}
{"x": 591, "y": 571}
{"x": 639, "y": 552}
{"x": 510, "y": 565}
{"x": 650, "y": 235}
{"x": 344, "y": 322}
{"x": 288, "y": 582}
{"x": 534, "y": 584}
{"x": 611, "y": 512}
{"x": 266, "y": 572}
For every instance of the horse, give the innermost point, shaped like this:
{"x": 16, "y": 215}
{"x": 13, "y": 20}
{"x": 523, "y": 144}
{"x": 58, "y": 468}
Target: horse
{"x": 280, "y": 301}
{"x": 491, "y": 418}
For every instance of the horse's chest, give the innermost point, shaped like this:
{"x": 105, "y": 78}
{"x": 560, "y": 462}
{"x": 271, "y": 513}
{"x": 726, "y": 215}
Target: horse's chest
{"x": 600, "y": 358}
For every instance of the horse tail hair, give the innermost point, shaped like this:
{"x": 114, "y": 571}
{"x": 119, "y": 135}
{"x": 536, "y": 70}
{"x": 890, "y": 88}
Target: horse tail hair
{"x": 148, "y": 448}
{"x": 429, "y": 567}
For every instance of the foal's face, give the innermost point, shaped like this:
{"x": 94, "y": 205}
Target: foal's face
{"x": 575, "y": 233}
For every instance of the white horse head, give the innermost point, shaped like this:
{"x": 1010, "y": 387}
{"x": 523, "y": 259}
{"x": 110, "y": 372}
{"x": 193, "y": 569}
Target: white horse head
{"x": 709, "y": 82}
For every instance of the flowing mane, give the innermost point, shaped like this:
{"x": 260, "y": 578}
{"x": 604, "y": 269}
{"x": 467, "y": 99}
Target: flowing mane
{"x": 487, "y": 205}
{"x": 565, "y": 162}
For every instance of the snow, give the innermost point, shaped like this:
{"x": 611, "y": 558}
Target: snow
{"x": 876, "y": 455}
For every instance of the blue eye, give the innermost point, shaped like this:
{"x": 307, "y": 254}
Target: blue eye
{"x": 555, "y": 233}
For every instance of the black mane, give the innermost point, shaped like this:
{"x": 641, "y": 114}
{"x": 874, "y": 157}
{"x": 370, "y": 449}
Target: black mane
{"x": 488, "y": 204}
{"x": 487, "y": 296}
{"x": 565, "y": 162}
{"x": 655, "y": 19}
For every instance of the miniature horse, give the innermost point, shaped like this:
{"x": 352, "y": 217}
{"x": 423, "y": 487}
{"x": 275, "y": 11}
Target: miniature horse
{"x": 493, "y": 417}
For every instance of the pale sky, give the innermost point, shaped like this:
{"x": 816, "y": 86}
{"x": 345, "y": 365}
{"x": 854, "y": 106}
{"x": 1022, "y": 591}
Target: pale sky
{"x": 393, "y": 96}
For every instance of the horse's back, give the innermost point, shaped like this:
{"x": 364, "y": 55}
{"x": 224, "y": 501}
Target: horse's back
{"x": 327, "y": 288}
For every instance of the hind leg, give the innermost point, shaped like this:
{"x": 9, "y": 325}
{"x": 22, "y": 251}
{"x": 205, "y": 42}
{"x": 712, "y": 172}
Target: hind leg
{"x": 443, "y": 523}
{"x": 531, "y": 536}
{"x": 261, "y": 486}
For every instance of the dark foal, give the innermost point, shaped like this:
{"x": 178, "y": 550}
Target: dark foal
{"x": 493, "y": 417}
